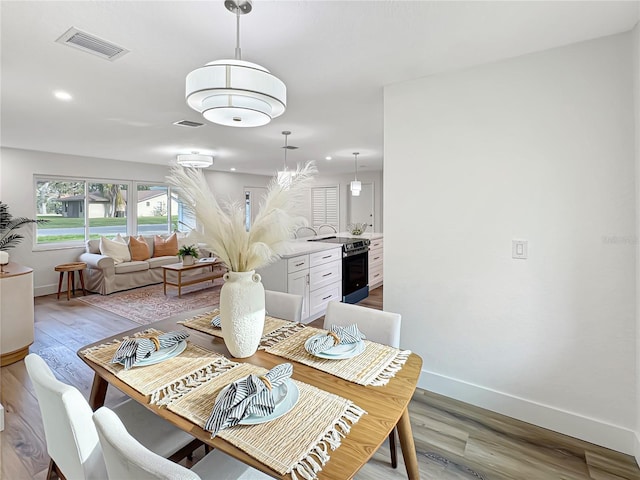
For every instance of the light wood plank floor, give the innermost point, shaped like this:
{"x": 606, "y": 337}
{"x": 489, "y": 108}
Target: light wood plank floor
{"x": 455, "y": 441}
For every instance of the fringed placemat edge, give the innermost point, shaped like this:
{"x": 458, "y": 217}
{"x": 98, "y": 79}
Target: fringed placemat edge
{"x": 309, "y": 466}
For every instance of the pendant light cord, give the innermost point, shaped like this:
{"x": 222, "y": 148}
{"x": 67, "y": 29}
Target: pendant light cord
{"x": 356, "y": 174}
{"x": 238, "y": 51}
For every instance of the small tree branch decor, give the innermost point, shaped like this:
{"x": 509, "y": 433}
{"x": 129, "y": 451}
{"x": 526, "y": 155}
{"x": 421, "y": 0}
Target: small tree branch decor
{"x": 8, "y": 226}
{"x": 223, "y": 226}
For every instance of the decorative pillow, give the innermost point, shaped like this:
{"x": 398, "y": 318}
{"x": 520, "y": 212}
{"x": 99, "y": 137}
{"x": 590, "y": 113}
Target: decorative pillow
{"x": 165, "y": 247}
{"x": 139, "y": 249}
{"x": 116, "y": 249}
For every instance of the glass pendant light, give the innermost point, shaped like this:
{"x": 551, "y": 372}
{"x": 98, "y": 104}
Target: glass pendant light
{"x": 356, "y": 186}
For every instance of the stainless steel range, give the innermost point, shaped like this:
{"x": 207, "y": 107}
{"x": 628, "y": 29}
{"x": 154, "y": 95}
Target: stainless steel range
{"x": 355, "y": 266}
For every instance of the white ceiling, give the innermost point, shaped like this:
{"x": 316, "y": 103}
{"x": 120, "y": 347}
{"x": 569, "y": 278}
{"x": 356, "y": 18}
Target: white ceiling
{"x": 334, "y": 56}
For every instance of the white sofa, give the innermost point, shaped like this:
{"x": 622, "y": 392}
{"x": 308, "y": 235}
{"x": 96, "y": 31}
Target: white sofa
{"x": 104, "y": 276}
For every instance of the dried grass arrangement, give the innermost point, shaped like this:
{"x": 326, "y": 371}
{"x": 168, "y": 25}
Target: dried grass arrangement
{"x": 223, "y": 226}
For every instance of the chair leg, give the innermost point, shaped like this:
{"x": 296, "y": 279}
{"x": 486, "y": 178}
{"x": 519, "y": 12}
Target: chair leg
{"x": 392, "y": 447}
{"x": 50, "y": 469}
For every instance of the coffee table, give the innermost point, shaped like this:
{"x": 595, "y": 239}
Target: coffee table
{"x": 214, "y": 271}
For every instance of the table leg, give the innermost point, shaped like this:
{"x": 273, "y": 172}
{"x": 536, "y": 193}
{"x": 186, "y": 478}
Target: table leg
{"x": 60, "y": 284}
{"x": 81, "y": 274}
{"x": 164, "y": 280}
{"x": 69, "y": 280}
{"x": 408, "y": 446}
{"x": 98, "y": 392}
{"x": 179, "y": 283}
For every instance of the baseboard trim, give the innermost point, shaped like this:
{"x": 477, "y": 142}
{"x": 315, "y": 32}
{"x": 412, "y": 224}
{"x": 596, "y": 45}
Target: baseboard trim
{"x": 47, "y": 290}
{"x": 568, "y": 423}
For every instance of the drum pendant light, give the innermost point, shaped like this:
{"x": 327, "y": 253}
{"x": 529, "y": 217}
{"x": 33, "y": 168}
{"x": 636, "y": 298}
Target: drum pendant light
{"x": 356, "y": 186}
{"x": 236, "y": 93}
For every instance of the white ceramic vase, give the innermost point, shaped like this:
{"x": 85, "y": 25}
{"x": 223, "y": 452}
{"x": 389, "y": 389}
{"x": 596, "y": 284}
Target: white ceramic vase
{"x": 242, "y": 312}
{"x": 188, "y": 260}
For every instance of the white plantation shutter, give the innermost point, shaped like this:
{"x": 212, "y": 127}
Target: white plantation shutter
{"x": 325, "y": 206}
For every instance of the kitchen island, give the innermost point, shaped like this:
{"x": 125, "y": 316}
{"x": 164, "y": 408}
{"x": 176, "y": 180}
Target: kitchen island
{"x": 313, "y": 269}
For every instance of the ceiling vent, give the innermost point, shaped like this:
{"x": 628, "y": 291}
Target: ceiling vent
{"x": 91, "y": 44}
{"x": 188, "y": 123}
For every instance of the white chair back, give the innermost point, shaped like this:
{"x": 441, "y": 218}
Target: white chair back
{"x": 283, "y": 305}
{"x": 126, "y": 458}
{"x": 72, "y": 440}
{"x": 378, "y": 326}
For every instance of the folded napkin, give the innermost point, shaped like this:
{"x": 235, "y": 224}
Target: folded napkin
{"x": 133, "y": 350}
{"x": 247, "y": 396}
{"x": 215, "y": 321}
{"x": 336, "y": 336}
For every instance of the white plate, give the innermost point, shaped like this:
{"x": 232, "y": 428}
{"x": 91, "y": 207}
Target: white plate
{"x": 286, "y": 395}
{"x": 338, "y": 352}
{"x": 162, "y": 355}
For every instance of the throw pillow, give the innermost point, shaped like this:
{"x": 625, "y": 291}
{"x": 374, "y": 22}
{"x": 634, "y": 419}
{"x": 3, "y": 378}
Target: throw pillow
{"x": 165, "y": 247}
{"x": 116, "y": 249}
{"x": 139, "y": 249}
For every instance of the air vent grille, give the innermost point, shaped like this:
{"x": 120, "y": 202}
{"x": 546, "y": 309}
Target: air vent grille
{"x": 91, "y": 44}
{"x": 188, "y": 123}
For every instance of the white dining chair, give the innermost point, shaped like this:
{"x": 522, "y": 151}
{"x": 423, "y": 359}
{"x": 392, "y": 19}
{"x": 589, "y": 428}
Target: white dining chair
{"x": 71, "y": 436}
{"x": 126, "y": 458}
{"x": 326, "y": 228}
{"x": 283, "y": 305}
{"x": 378, "y": 326}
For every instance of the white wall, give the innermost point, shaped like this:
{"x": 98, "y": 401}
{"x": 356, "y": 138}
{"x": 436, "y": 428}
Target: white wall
{"x": 539, "y": 147}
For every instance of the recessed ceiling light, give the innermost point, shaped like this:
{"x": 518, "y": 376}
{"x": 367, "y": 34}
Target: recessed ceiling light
{"x": 233, "y": 169}
{"x": 60, "y": 95}
{"x": 327, "y": 158}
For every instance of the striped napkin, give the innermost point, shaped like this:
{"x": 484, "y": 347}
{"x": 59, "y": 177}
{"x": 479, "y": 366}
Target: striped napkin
{"x": 216, "y": 322}
{"x": 337, "y": 335}
{"x": 250, "y": 395}
{"x": 133, "y": 350}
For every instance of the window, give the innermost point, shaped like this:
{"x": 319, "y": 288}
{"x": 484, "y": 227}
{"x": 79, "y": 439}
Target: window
{"x": 324, "y": 208}
{"x": 107, "y": 209}
{"x": 60, "y": 202}
{"x": 152, "y": 214}
{"x": 80, "y": 209}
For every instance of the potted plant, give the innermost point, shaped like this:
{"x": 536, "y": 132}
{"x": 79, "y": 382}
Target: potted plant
{"x": 188, "y": 253}
{"x": 8, "y": 236}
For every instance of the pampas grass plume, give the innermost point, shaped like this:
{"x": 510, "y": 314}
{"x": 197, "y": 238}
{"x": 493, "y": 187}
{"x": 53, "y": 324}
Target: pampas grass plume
{"x": 223, "y": 226}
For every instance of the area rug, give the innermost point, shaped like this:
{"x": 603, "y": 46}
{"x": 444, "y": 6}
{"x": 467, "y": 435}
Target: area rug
{"x": 148, "y": 304}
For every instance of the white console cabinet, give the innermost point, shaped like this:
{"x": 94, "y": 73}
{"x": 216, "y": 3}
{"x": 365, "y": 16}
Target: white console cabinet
{"x": 16, "y": 313}
{"x": 375, "y": 263}
{"x": 317, "y": 277}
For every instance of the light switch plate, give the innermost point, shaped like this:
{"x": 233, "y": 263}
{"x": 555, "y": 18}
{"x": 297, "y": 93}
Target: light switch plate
{"x": 520, "y": 249}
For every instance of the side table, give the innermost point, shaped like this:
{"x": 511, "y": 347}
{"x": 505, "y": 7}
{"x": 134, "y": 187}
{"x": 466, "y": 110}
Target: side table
{"x": 70, "y": 268}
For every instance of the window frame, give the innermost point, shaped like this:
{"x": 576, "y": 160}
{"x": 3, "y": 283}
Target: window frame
{"x": 131, "y": 209}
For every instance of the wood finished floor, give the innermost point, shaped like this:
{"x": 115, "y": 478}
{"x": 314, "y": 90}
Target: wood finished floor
{"x": 454, "y": 441}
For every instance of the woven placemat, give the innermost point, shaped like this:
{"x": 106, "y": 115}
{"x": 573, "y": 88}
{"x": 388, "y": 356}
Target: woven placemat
{"x": 202, "y": 323}
{"x": 169, "y": 379}
{"x": 299, "y": 442}
{"x": 375, "y": 366}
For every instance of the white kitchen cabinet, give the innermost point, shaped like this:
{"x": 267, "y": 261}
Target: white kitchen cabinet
{"x": 376, "y": 276}
{"x": 316, "y": 276}
{"x": 325, "y": 280}
{"x": 298, "y": 284}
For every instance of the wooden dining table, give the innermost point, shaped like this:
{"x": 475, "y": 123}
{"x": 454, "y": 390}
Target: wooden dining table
{"x": 386, "y": 406}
